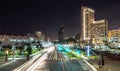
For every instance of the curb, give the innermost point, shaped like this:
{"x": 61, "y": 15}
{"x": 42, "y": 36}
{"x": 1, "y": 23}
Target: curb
{"x": 94, "y": 69}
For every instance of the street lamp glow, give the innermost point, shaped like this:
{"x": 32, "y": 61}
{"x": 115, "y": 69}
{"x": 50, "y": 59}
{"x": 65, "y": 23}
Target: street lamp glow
{"x": 7, "y": 52}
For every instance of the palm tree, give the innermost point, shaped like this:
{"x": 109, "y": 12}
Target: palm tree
{"x": 21, "y": 48}
{"x": 77, "y": 37}
{"x": 7, "y": 47}
{"x": 29, "y": 50}
{"x": 71, "y": 40}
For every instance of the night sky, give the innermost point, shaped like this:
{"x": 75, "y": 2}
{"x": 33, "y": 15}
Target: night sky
{"x": 20, "y": 17}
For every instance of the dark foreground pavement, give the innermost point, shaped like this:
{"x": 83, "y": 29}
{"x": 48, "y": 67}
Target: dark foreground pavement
{"x": 12, "y": 65}
{"x": 110, "y": 65}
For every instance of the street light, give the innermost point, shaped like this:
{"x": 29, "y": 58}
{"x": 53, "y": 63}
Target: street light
{"x": 6, "y": 56}
{"x": 101, "y": 60}
{"x": 13, "y": 51}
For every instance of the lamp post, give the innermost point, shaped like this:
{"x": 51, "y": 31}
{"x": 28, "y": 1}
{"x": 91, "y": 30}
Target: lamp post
{"x": 6, "y": 55}
{"x": 101, "y": 60}
{"x": 13, "y": 53}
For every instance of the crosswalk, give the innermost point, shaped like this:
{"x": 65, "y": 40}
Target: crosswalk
{"x": 56, "y": 59}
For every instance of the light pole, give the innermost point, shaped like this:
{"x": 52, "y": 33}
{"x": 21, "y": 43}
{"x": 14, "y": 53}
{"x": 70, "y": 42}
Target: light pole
{"x": 6, "y": 55}
{"x": 101, "y": 60}
{"x": 13, "y": 51}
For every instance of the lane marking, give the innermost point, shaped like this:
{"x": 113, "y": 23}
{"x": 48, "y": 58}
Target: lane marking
{"x": 90, "y": 65}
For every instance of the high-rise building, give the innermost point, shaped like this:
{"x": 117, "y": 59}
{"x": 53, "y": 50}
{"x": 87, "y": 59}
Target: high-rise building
{"x": 87, "y": 21}
{"x": 61, "y": 34}
{"x": 91, "y": 28}
{"x": 99, "y": 28}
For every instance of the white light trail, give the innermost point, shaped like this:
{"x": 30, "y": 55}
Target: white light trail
{"x": 24, "y": 66}
{"x": 90, "y": 65}
{"x": 40, "y": 60}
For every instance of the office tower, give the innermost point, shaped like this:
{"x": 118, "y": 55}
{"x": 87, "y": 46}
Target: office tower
{"x": 92, "y": 29}
{"x": 87, "y": 21}
{"x": 61, "y": 34}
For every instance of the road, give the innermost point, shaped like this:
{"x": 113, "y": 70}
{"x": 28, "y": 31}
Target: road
{"x": 13, "y": 65}
{"x": 53, "y": 60}
{"x": 58, "y": 62}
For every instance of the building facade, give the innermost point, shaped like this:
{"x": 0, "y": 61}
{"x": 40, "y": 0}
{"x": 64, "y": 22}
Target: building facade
{"x": 40, "y": 35}
{"x": 6, "y": 39}
{"x": 92, "y": 29}
{"x": 100, "y": 28}
{"x": 87, "y": 20}
{"x": 114, "y": 35}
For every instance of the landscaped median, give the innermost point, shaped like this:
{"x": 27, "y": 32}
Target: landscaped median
{"x": 79, "y": 54}
{"x": 30, "y": 62}
{"x": 5, "y": 57}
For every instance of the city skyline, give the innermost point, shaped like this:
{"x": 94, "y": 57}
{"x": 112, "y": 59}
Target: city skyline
{"x": 46, "y": 16}
{"x": 59, "y": 35}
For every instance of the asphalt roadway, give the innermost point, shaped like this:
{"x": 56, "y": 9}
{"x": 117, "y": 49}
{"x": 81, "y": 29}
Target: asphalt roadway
{"x": 56, "y": 61}
{"x": 49, "y": 60}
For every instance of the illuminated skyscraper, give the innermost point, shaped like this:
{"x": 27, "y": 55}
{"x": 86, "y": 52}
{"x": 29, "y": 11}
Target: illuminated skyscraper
{"x": 87, "y": 21}
{"x": 99, "y": 28}
{"x": 91, "y": 28}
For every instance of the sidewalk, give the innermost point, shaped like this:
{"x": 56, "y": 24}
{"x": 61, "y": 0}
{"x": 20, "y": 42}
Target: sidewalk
{"x": 4, "y": 63}
{"x": 9, "y": 66}
{"x": 11, "y": 59}
{"x": 110, "y": 65}
{"x": 12, "y": 63}
{"x": 86, "y": 66}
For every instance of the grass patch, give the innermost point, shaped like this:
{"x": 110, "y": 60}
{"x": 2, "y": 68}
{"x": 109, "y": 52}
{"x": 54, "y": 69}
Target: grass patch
{"x": 35, "y": 50}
